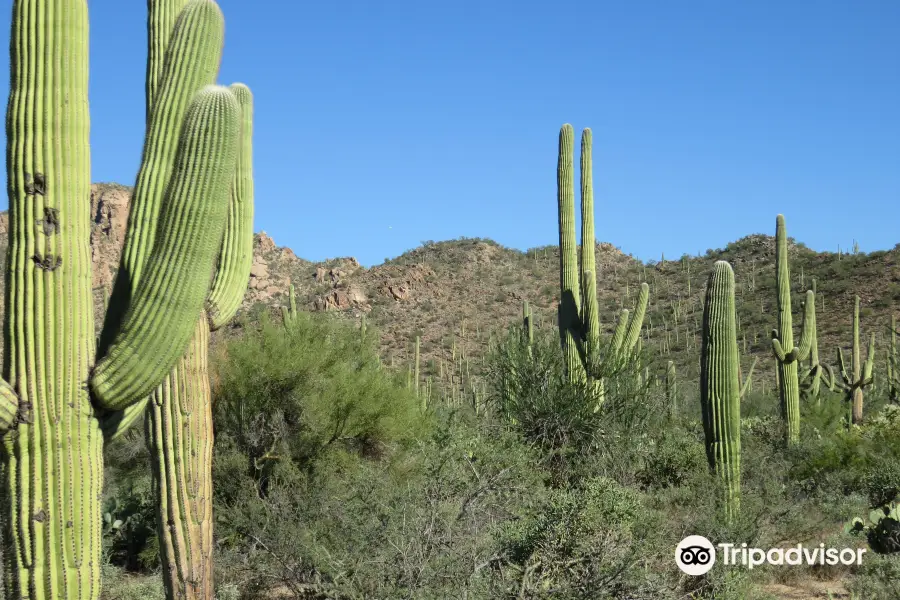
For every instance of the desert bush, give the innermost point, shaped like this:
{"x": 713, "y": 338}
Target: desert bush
{"x": 286, "y": 396}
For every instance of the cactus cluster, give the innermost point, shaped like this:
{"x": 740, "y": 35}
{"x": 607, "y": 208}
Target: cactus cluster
{"x": 63, "y": 391}
{"x": 579, "y": 324}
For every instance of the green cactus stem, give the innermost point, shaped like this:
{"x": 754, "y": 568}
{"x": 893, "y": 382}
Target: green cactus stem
{"x": 893, "y": 366}
{"x": 416, "y": 363}
{"x": 578, "y": 312}
{"x": 811, "y": 381}
{"x": 289, "y": 313}
{"x": 194, "y": 44}
{"x": 53, "y": 462}
{"x": 179, "y": 419}
{"x": 786, "y": 354}
{"x": 671, "y": 387}
{"x": 528, "y": 323}
{"x": 236, "y": 256}
{"x": 179, "y": 432}
{"x": 161, "y": 19}
{"x": 570, "y": 325}
{"x": 720, "y": 389}
{"x": 860, "y": 376}
{"x": 164, "y": 310}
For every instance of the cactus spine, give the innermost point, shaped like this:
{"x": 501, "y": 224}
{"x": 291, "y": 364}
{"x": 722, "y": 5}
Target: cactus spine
{"x": 720, "y": 388}
{"x": 52, "y": 525}
{"x": 860, "y": 376}
{"x": 786, "y": 354}
{"x": 579, "y": 324}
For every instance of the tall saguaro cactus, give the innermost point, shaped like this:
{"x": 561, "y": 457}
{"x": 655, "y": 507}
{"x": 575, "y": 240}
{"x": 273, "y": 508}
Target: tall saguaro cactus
{"x": 579, "y": 320}
{"x": 860, "y": 376}
{"x": 52, "y": 452}
{"x": 811, "y": 381}
{"x": 179, "y": 426}
{"x": 787, "y": 355}
{"x": 720, "y": 388}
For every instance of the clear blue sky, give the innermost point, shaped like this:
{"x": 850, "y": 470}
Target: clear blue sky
{"x": 382, "y": 124}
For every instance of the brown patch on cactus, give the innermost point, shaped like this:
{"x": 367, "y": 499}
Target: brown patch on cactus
{"x": 40, "y": 516}
{"x": 24, "y": 415}
{"x": 47, "y": 263}
{"x": 40, "y": 183}
{"x": 50, "y": 222}
{"x": 36, "y": 185}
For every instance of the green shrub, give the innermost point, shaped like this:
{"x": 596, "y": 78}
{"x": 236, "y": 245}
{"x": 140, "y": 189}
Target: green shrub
{"x": 285, "y": 396}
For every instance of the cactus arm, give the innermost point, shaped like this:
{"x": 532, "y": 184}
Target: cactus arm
{"x": 192, "y": 60}
{"x": 570, "y": 293}
{"x": 289, "y": 313}
{"x": 160, "y": 24}
{"x": 776, "y": 347}
{"x": 845, "y": 380}
{"x": 830, "y": 379}
{"x": 870, "y": 361}
{"x": 808, "y": 332}
{"x": 590, "y": 316}
{"x": 9, "y": 406}
{"x": 236, "y": 257}
{"x": 618, "y": 338}
{"x": 637, "y": 319}
{"x": 114, "y": 423}
{"x": 749, "y": 378}
{"x": 160, "y": 322}
{"x": 590, "y": 308}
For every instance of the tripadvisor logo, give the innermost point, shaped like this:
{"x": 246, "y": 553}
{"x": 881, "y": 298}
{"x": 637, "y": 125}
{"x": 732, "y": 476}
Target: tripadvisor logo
{"x": 696, "y": 555}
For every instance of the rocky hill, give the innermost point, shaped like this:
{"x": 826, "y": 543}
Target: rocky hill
{"x": 463, "y": 291}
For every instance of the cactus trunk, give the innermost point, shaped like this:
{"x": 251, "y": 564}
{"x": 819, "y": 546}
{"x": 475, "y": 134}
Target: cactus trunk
{"x": 788, "y": 356}
{"x": 53, "y": 463}
{"x": 720, "y": 389}
{"x": 179, "y": 420}
{"x": 570, "y": 287}
{"x": 180, "y": 439}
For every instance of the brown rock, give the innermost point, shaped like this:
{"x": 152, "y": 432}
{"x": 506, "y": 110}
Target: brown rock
{"x": 264, "y": 243}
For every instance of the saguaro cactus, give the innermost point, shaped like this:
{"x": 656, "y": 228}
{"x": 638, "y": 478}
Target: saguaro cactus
{"x": 786, "y": 354}
{"x": 289, "y": 312}
{"x": 811, "y": 381}
{"x": 860, "y": 376}
{"x": 179, "y": 426}
{"x": 579, "y": 324}
{"x": 720, "y": 389}
{"x": 671, "y": 387}
{"x": 53, "y": 451}
{"x": 893, "y": 366}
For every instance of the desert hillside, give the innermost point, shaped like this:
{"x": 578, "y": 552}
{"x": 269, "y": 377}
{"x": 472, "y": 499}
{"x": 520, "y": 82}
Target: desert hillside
{"x": 463, "y": 291}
